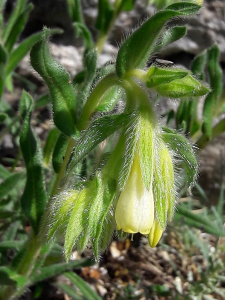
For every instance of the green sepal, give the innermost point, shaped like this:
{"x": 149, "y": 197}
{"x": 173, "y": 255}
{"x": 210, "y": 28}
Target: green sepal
{"x": 110, "y": 99}
{"x": 59, "y": 151}
{"x": 187, "y": 86}
{"x": 78, "y": 218}
{"x": 146, "y": 147}
{"x": 60, "y": 212}
{"x": 34, "y": 196}
{"x": 157, "y": 75}
{"x": 59, "y": 84}
{"x": 99, "y": 208}
{"x": 163, "y": 184}
{"x": 136, "y": 50}
{"x": 181, "y": 146}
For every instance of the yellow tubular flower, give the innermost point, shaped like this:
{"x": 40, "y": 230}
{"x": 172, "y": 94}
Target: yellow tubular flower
{"x": 135, "y": 207}
{"x": 155, "y": 234}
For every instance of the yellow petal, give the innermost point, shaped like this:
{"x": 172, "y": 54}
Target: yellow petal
{"x": 135, "y": 207}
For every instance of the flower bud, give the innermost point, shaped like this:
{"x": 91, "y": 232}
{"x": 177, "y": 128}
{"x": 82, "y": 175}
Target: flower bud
{"x": 155, "y": 234}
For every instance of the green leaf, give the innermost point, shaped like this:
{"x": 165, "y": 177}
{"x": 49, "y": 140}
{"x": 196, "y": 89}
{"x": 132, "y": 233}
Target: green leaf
{"x": 59, "y": 84}
{"x": 90, "y": 64}
{"x": 20, "y": 5}
{"x": 212, "y": 100}
{"x": 34, "y": 196}
{"x": 180, "y": 145}
{"x": 158, "y": 75}
{"x": 110, "y": 99}
{"x": 105, "y": 14}
{"x": 10, "y": 277}
{"x": 50, "y": 145}
{"x": 97, "y": 132}
{"x": 70, "y": 291}
{"x": 57, "y": 269}
{"x": 136, "y": 50}
{"x": 24, "y": 47}
{"x": 75, "y": 10}
{"x": 82, "y": 286}
{"x": 198, "y": 65}
{"x": 125, "y": 5}
{"x": 11, "y": 182}
{"x": 5, "y": 245}
{"x": 18, "y": 27}
{"x": 199, "y": 221}
{"x": 83, "y": 31}
{"x": 187, "y": 86}
{"x": 4, "y": 173}
{"x": 43, "y": 100}
{"x": 3, "y": 116}
{"x": 59, "y": 151}
{"x": 169, "y": 36}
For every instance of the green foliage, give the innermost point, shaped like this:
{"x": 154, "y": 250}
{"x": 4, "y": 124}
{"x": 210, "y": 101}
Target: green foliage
{"x": 103, "y": 118}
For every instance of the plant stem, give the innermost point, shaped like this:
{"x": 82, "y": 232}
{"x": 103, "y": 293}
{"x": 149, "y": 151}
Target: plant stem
{"x": 63, "y": 167}
{"x": 95, "y": 99}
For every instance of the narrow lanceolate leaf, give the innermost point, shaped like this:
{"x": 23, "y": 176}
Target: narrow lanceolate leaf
{"x": 56, "y": 269}
{"x": 59, "y": 152}
{"x": 104, "y": 17}
{"x": 10, "y": 277}
{"x": 20, "y": 5}
{"x": 180, "y": 145}
{"x": 157, "y": 75}
{"x": 10, "y": 183}
{"x": 97, "y": 132}
{"x": 83, "y": 31}
{"x": 136, "y": 50}
{"x": 198, "y": 65}
{"x": 90, "y": 62}
{"x": 211, "y": 102}
{"x": 187, "y": 86}
{"x": 18, "y": 27}
{"x": 59, "y": 84}
{"x": 82, "y": 286}
{"x": 24, "y": 47}
{"x": 34, "y": 196}
{"x": 50, "y": 145}
{"x": 171, "y": 35}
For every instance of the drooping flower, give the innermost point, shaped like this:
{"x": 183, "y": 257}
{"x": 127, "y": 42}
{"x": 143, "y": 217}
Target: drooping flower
{"x": 147, "y": 198}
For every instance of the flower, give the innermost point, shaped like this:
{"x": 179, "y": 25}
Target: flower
{"x": 135, "y": 207}
{"x": 147, "y": 198}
